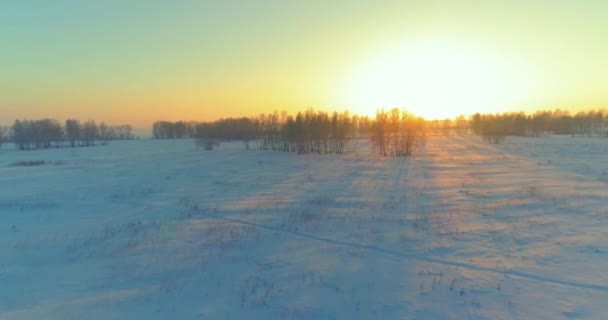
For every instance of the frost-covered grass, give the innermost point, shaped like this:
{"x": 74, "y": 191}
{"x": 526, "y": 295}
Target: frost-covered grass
{"x": 158, "y": 229}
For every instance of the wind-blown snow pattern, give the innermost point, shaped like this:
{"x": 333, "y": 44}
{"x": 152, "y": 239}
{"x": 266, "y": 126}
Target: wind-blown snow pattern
{"x": 161, "y": 230}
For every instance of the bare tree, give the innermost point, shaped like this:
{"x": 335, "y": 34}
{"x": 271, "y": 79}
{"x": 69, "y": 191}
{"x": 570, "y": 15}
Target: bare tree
{"x": 50, "y": 130}
{"x": 3, "y": 137}
{"x": 493, "y": 129}
{"x": 72, "y": 131}
{"x": 122, "y": 132}
{"x": 20, "y": 137}
{"x": 105, "y": 133}
{"x": 90, "y": 132}
{"x": 206, "y": 136}
{"x": 461, "y": 125}
{"x": 379, "y": 131}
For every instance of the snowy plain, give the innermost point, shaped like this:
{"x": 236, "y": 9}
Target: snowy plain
{"x": 150, "y": 229}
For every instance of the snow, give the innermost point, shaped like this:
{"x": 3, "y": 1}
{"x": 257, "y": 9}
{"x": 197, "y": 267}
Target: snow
{"x": 150, "y": 229}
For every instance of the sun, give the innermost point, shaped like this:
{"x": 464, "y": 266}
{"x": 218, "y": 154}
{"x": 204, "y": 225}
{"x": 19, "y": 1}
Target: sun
{"x": 433, "y": 79}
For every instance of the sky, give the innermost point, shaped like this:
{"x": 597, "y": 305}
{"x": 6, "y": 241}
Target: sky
{"x": 136, "y": 61}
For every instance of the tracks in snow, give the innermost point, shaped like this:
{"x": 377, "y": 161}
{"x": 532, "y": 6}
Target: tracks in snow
{"x": 392, "y": 253}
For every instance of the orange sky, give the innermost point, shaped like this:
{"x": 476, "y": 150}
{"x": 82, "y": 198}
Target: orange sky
{"x": 141, "y": 61}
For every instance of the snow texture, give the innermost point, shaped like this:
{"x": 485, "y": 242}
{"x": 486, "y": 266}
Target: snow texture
{"x": 161, "y": 230}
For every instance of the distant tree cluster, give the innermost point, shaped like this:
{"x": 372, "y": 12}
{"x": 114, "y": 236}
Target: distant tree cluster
{"x": 494, "y": 127}
{"x": 46, "y": 133}
{"x": 207, "y": 134}
{"x": 591, "y": 123}
{"x": 396, "y": 132}
{"x": 306, "y": 132}
{"x": 3, "y": 135}
{"x": 459, "y": 126}
{"x": 173, "y": 130}
{"x": 210, "y": 134}
{"x": 36, "y": 134}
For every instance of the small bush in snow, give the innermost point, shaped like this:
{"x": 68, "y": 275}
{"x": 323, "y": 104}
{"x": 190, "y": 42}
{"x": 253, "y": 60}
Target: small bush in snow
{"x": 207, "y": 143}
{"x": 33, "y": 163}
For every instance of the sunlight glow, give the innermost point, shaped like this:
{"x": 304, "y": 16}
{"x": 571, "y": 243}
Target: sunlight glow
{"x": 434, "y": 79}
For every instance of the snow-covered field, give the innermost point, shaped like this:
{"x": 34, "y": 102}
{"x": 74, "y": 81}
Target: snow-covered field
{"x": 160, "y": 230}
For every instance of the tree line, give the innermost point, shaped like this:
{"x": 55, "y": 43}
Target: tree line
{"x": 392, "y": 132}
{"x": 306, "y": 132}
{"x": 3, "y": 135}
{"x": 494, "y": 127}
{"x": 46, "y": 133}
